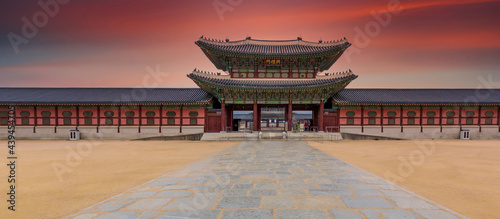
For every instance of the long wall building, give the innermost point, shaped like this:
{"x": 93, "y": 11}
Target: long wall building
{"x": 263, "y": 86}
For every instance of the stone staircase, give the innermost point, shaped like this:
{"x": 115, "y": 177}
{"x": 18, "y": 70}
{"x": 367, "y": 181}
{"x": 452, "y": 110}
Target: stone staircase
{"x": 272, "y": 135}
{"x": 276, "y": 136}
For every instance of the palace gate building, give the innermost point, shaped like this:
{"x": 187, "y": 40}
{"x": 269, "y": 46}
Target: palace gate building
{"x": 268, "y": 86}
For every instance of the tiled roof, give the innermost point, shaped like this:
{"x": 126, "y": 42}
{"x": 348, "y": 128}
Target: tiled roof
{"x": 226, "y": 81}
{"x": 196, "y": 95}
{"x": 273, "y": 48}
{"x": 102, "y": 95}
{"x": 418, "y": 96}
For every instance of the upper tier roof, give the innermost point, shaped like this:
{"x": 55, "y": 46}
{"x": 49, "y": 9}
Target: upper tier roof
{"x": 103, "y": 95}
{"x": 273, "y": 48}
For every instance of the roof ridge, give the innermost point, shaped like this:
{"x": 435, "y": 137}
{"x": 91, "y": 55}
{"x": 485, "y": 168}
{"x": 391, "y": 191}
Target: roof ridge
{"x": 418, "y": 89}
{"x": 250, "y": 41}
{"x": 107, "y": 88}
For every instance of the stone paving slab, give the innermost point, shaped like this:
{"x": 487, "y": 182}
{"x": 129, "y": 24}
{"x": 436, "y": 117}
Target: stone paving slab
{"x": 268, "y": 179}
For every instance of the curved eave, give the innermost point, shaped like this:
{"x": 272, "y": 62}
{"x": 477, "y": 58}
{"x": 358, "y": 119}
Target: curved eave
{"x": 328, "y": 64}
{"x": 333, "y": 87}
{"x": 214, "y": 59}
{"x": 329, "y": 52}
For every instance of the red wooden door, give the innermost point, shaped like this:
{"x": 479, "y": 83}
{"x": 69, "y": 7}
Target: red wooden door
{"x": 212, "y": 123}
{"x": 331, "y": 121}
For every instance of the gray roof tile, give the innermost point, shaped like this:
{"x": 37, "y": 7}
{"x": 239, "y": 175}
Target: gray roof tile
{"x": 418, "y": 96}
{"x": 103, "y": 95}
{"x": 274, "y": 47}
{"x": 197, "y": 95}
{"x": 271, "y": 83}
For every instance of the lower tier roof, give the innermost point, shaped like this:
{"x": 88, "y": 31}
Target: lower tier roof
{"x": 269, "y": 83}
{"x": 197, "y": 95}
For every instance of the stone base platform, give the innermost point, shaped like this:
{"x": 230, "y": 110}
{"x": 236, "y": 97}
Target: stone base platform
{"x": 254, "y": 136}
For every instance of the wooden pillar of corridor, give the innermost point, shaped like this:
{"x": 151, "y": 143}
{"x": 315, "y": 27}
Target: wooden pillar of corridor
{"x": 290, "y": 115}
{"x": 255, "y": 117}
{"x": 229, "y": 110}
{"x": 223, "y": 116}
{"x": 320, "y": 116}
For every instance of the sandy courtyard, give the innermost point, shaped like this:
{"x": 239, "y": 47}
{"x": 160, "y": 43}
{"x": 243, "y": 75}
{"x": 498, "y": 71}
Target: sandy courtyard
{"x": 91, "y": 171}
{"x": 58, "y": 178}
{"x": 461, "y": 175}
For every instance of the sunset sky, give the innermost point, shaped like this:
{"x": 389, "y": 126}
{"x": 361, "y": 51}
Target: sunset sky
{"x": 110, "y": 43}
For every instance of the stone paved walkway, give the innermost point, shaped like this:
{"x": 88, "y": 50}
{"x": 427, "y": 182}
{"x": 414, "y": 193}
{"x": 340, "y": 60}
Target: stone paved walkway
{"x": 270, "y": 179}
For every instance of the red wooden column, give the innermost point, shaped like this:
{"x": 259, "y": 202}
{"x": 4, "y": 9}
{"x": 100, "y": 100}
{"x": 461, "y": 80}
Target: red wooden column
{"x": 321, "y": 112}
{"x": 315, "y": 112}
{"x": 290, "y": 115}
{"x": 230, "y": 117}
{"x": 119, "y": 117}
{"x": 182, "y": 119}
{"x": 77, "y": 116}
{"x": 441, "y": 118}
{"x": 421, "y": 119}
{"x": 57, "y": 119}
{"x": 498, "y": 118}
{"x": 223, "y": 116}
{"x": 98, "y": 118}
{"x": 259, "y": 110}
{"x": 140, "y": 119}
{"x": 339, "y": 109}
{"x": 479, "y": 118}
{"x": 381, "y": 118}
{"x": 401, "y": 118}
{"x": 161, "y": 118}
{"x": 362, "y": 118}
{"x": 460, "y": 117}
{"x": 255, "y": 117}
{"x": 36, "y": 118}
